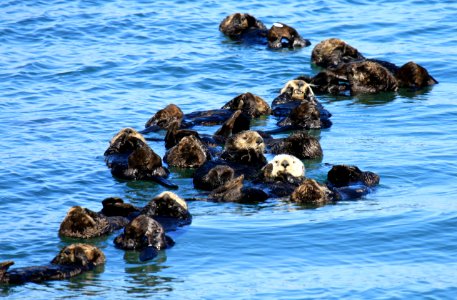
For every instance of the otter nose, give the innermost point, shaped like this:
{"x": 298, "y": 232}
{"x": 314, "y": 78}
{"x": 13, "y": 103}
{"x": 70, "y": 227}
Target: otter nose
{"x": 285, "y": 164}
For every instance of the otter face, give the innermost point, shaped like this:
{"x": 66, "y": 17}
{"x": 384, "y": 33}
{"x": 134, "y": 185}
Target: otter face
{"x": 413, "y": 75}
{"x": 125, "y": 141}
{"x": 332, "y": 52}
{"x": 80, "y": 255}
{"x": 164, "y": 117}
{"x": 306, "y": 116}
{"x": 172, "y": 198}
{"x": 343, "y": 175}
{"x": 286, "y": 164}
{"x": 250, "y": 104}
{"x": 297, "y": 90}
{"x": 83, "y": 223}
{"x": 283, "y": 36}
{"x": 312, "y": 193}
{"x": 246, "y": 140}
{"x": 236, "y": 24}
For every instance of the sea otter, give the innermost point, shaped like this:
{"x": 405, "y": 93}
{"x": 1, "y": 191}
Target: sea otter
{"x": 250, "y": 104}
{"x": 188, "y": 153}
{"x": 281, "y": 175}
{"x": 144, "y": 234}
{"x": 312, "y": 193}
{"x": 238, "y": 25}
{"x": 169, "y": 210}
{"x": 332, "y": 52}
{"x": 299, "y": 144}
{"x": 246, "y": 28}
{"x": 246, "y": 147}
{"x": 163, "y": 118}
{"x": 72, "y": 260}
{"x": 292, "y": 95}
{"x": 210, "y": 179}
{"x": 234, "y": 191}
{"x": 412, "y": 75}
{"x": 281, "y": 35}
{"x": 115, "y": 207}
{"x": 349, "y": 182}
{"x": 84, "y": 223}
{"x": 131, "y": 158}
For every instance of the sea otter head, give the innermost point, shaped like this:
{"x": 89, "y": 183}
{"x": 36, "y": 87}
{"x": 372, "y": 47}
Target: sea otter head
{"x": 164, "y": 117}
{"x": 84, "y": 255}
{"x": 236, "y": 24}
{"x": 168, "y": 205}
{"x": 125, "y": 141}
{"x": 140, "y": 233}
{"x": 83, "y": 223}
{"x": 332, "y": 52}
{"x": 188, "y": 153}
{"x": 283, "y": 165}
{"x": 283, "y": 36}
{"x": 412, "y": 75}
{"x": 245, "y": 140}
{"x": 309, "y": 192}
{"x": 297, "y": 90}
{"x": 250, "y": 104}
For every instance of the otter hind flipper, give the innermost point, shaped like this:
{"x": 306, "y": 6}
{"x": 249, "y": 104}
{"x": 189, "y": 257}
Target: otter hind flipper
{"x": 165, "y": 182}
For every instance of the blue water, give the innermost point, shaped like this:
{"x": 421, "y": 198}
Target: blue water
{"x": 73, "y": 73}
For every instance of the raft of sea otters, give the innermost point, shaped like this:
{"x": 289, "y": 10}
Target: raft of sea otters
{"x": 230, "y": 164}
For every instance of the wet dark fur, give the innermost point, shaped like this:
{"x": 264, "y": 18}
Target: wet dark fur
{"x": 213, "y": 178}
{"x": 188, "y": 153}
{"x": 250, "y": 104}
{"x": 141, "y": 232}
{"x": 83, "y": 223}
{"x": 412, "y": 75}
{"x": 114, "y": 206}
{"x": 343, "y": 175}
{"x": 310, "y": 192}
{"x": 239, "y": 24}
{"x": 166, "y": 210}
{"x": 234, "y": 191}
{"x": 299, "y": 144}
{"x": 72, "y": 260}
{"x": 163, "y": 118}
{"x": 332, "y": 52}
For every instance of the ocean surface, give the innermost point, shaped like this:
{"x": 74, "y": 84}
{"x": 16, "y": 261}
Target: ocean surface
{"x": 73, "y": 73}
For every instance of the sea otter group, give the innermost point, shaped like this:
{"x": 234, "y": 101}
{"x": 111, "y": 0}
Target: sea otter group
{"x": 229, "y": 165}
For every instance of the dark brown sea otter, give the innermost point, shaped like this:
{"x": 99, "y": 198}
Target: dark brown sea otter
{"x": 144, "y": 234}
{"x": 84, "y": 223}
{"x": 311, "y": 193}
{"x": 237, "y": 25}
{"x": 71, "y": 261}
{"x": 130, "y": 157}
{"x": 299, "y": 144}
{"x": 163, "y": 118}
{"x": 349, "y": 182}
{"x": 281, "y": 35}
{"x": 332, "y": 52}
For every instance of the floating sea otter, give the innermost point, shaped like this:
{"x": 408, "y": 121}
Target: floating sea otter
{"x": 169, "y": 210}
{"x": 241, "y": 26}
{"x": 282, "y": 175}
{"x": 349, "y": 182}
{"x": 348, "y": 70}
{"x": 235, "y": 191}
{"x": 131, "y": 158}
{"x": 251, "y": 106}
{"x": 71, "y": 261}
{"x": 84, "y": 223}
{"x": 299, "y": 144}
{"x": 312, "y": 193}
{"x": 144, "y": 234}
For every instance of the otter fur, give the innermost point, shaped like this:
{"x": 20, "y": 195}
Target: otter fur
{"x": 281, "y": 35}
{"x": 345, "y": 175}
{"x": 131, "y": 158}
{"x": 144, "y": 233}
{"x": 299, "y": 144}
{"x": 310, "y": 192}
{"x": 163, "y": 118}
{"x": 169, "y": 210}
{"x": 213, "y": 178}
{"x": 188, "y": 153}
{"x": 412, "y": 75}
{"x": 236, "y": 25}
{"x": 72, "y": 260}
{"x": 332, "y": 52}
{"x": 246, "y": 147}
{"x": 250, "y": 104}
{"x": 84, "y": 223}
{"x": 115, "y": 206}
{"x": 234, "y": 191}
